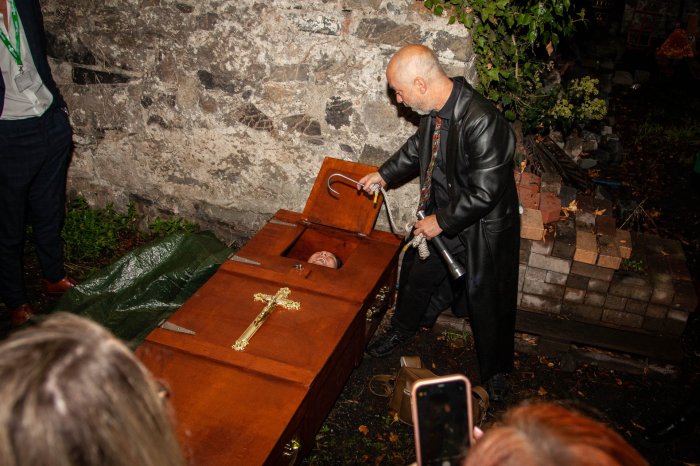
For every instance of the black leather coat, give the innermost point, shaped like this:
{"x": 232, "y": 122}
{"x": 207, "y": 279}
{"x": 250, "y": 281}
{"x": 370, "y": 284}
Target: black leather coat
{"x": 482, "y": 210}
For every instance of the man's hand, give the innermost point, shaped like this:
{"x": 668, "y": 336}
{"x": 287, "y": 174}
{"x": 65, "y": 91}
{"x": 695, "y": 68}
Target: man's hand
{"x": 370, "y": 179}
{"x": 428, "y": 227}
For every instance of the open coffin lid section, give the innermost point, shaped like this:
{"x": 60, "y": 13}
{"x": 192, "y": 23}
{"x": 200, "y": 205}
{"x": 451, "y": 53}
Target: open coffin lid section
{"x": 350, "y": 210}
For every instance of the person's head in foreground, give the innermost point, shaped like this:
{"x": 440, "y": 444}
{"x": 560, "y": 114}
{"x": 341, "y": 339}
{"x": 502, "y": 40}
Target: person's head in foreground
{"x": 546, "y": 434}
{"x": 324, "y": 258}
{"x": 74, "y": 395}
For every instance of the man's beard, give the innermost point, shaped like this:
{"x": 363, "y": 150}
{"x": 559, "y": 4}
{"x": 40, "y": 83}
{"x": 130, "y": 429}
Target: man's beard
{"x": 418, "y": 110}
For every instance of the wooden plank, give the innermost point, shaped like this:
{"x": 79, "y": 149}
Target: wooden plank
{"x": 644, "y": 344}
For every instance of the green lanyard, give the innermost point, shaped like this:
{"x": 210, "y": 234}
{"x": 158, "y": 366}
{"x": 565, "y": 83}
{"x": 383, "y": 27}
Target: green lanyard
{"x": 6, "y": 40}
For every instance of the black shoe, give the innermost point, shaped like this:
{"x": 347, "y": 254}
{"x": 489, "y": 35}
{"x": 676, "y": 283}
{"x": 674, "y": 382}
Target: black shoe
{"x": 678, "y": 427}
{"x": 385, "y": 344}
{"x": 498, "y": 387}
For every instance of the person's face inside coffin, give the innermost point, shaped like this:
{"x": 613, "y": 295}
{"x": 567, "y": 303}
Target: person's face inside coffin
{"x": 324, "y": 258}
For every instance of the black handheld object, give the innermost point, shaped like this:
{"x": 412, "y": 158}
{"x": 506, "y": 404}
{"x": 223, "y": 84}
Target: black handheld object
{"x": 442, "y": 420}
{"x": 453, "y": 266}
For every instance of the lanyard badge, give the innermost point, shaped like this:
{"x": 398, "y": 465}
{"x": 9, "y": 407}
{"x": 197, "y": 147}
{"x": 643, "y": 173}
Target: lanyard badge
{"x": 23, "y": 79}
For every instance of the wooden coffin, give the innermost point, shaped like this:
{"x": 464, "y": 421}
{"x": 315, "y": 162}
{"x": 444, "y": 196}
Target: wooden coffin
{"x": 264, "y": 404}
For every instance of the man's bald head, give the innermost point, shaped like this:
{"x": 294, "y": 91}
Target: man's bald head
{"x": 414, "y": 61}
{"x": 415, "y": 75}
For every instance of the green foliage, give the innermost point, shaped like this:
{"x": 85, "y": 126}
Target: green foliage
{"x": 511, "y": 41}
{"x": 632, "y": 265}
{"x": 161, "y": 228}
{"x": 96, "y": 234}
{"x": 92, "y": 234}
{"x": 578, "y": 104}
{"x": 651, "y": 130}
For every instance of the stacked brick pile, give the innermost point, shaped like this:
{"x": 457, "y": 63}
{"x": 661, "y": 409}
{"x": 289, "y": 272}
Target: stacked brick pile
{"x": 570, "y": 266}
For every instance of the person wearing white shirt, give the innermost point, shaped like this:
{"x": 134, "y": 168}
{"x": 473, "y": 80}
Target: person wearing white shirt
{"x": 35, "y": 147}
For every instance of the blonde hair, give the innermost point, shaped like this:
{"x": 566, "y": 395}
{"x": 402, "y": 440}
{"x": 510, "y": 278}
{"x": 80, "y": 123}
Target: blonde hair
{"x": 74, "y": 395}
{"x": 546, "y": 434}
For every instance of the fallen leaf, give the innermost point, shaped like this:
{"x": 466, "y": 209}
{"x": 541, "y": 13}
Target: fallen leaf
{"x": 393, "y": 437}
{"x": 599, "y": 212}
{"x": 541, "y": 391}
{"x": 618, "y": 381}
{"x": 363, "y": 429}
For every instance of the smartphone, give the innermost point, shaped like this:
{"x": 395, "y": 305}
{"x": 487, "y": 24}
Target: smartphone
{"x": 441, "y": 408}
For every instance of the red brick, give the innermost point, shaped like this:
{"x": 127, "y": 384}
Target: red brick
{"x": 662, "y": 294}
{"x": 531, "y": 226}
{"x": 583, "y": 312}
{"x": 543, "y": 246}
{"x": 586, "y": 247}
{"x": 543, "y": 289}
{"x": 541, "y": 304}
{"x": 528, "y": 179}
{"x": 605, "y": 225}
{"x": 565, "y": 239}
{"x": 529, "y": 199}
{"x": 594, "y": 299}
{"x": 636, "y": 307}
{"x": 552, "y": 263}
{"x": 601, "y": 286}
{"x": 592, "y": 271}
{"x": 615, "y": 302}
{"x": 574, "y": 295}
{"x": 622, "y": 319}
{"x": 624, "y": 242}
{"x": 551, "y": 182}
{"x": 656, "y": 312}
{"x": 608, "y": 252}
{"x": 550, "y": 205}
{"x": 577, "y": 281}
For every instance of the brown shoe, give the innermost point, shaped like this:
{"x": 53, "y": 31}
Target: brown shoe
{"x": 21, "y": 314}
{"x": 61, "y": 286}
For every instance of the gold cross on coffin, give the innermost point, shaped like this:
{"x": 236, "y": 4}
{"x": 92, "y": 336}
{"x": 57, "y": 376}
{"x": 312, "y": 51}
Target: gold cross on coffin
{"x": 278, "y": 299}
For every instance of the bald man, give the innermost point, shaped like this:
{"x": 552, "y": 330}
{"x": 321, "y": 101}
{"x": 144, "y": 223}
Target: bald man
{"x": 463, "y": 153}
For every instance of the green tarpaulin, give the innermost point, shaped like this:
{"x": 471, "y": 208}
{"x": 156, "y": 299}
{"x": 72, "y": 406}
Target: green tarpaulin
{"x": 131, "y": 296}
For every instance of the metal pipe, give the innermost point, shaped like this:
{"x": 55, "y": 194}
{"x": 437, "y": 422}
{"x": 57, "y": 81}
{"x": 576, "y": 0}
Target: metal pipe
{"x": 454, "y": 267}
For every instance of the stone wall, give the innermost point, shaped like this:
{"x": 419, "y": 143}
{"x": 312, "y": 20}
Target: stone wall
{"x": 221, "y": 111}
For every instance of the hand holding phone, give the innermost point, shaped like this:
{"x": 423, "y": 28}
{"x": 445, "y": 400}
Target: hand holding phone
{"x": 442, "y": 419}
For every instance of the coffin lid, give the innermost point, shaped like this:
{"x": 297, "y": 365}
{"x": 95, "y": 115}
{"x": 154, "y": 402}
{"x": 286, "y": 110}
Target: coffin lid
{"x": 350, "y": 210}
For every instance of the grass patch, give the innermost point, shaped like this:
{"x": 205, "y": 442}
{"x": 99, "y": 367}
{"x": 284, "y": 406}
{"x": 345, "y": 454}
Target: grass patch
{"x": 97, "y": 236}
{"x": 90, "y": 234}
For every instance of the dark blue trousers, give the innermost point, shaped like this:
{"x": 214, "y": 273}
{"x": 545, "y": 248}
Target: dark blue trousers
{"x": 424, "y": 287}
{"x": 34, "y": 155}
